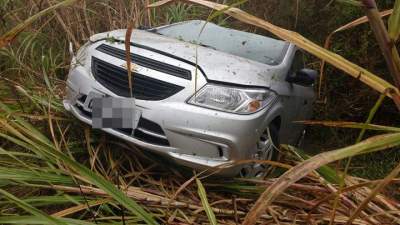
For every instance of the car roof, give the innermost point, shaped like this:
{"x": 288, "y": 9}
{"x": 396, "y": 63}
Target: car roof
{"x": 247, "y": 45}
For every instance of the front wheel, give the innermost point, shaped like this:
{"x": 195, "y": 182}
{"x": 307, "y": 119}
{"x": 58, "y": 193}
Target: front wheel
{"x": 266, "y": 149}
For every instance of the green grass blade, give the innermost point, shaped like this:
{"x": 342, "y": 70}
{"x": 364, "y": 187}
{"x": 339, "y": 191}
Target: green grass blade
{"x": 110, "y": 188}
{"x": 32, "y": 220}
{"x": 30, "y": 208}
{"x": 35, "y": 133}
{"x": 394, "y": 22}
{"x": 35, "y": 177}
{"x": 352, "y": 125}
{"x": 207, "y": 208}
{"x": 38, "y": 201}
{"x": 325, "y": 171}
{"x": 49, "y": 151}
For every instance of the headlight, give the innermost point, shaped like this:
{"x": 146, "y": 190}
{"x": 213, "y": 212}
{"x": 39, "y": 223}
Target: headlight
{"x": 232, "y": 99}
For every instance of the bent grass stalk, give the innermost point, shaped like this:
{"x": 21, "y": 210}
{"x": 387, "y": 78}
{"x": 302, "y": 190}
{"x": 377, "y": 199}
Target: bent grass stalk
{"x": 352, "y": 125}
{"x": 328, "y": 40}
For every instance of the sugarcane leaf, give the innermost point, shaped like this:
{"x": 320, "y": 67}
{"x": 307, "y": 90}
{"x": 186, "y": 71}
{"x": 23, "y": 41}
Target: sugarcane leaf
{"x": 30, "y": 208}
{"x": 33, "y": 220}
{"x": 345, "y": 27}
{"x": 204, "y": 201}
{"x": 325, "y": 171}
{"x": 352, "y": 125}
{"x": 23, "y": 132}
{"x": 394, "y": 22}
{"x": 34, "y": 177}
{"x": 372, "y": 144}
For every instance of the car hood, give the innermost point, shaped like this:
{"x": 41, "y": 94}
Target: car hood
{"x": 217, "y": 65}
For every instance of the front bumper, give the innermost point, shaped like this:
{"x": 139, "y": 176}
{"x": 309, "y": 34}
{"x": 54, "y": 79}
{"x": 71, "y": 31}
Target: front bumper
{"x": 196, "y": 137}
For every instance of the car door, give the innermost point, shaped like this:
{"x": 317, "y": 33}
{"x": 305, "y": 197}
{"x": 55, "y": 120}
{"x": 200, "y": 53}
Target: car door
{"x": 298, "y": 102}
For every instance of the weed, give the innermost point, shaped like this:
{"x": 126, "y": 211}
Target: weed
{"x": 55, "y": 170}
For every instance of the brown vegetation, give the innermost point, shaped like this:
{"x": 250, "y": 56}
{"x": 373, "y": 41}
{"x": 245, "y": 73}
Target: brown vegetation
{"x": 49, "y": 174}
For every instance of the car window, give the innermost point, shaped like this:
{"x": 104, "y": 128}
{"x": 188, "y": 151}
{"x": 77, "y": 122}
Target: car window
{"x": 243, "y": 44}
{"x": 298, "y": 62}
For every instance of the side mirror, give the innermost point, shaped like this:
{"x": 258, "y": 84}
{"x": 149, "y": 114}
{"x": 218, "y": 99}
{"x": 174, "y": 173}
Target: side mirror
{"x": 303, "y": 77}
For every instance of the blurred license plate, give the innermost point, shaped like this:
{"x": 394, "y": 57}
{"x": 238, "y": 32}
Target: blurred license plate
{"x": 112, "y": 112}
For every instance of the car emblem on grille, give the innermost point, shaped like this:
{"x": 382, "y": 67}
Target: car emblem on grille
{"x": 134, "y": 67}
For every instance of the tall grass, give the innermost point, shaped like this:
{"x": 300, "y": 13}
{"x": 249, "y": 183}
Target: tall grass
{"x": 54, "y": 170}
{"x": 391, "y": 55}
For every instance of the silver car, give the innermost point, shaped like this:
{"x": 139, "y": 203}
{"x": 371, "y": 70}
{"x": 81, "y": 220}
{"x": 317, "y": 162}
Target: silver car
{"x": 201, "y": 94}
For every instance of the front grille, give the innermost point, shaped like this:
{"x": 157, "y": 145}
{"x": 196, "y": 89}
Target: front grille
{"x": 146, "y": 131}
{"x": 116, "y": 80}
{"x": 146, "y": 62}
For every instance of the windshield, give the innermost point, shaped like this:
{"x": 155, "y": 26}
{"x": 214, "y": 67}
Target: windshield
{"x": 247, "y": 45}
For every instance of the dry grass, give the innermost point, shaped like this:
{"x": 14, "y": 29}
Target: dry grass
{"x": 166, "y": 193}
{"x": 52, "y": 165}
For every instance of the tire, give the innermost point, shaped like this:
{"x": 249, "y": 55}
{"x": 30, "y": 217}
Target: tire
{"x": 274, "y": 132}
{"x": 266, "y": 150}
